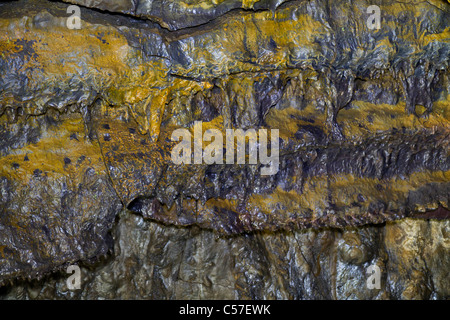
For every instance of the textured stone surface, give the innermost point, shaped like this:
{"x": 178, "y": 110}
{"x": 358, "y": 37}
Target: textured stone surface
{"x": 363, "y": 115}
{"x": 153, "y": 261}
{"x": 57, "y": 204}
{"x": 175, "y": 15}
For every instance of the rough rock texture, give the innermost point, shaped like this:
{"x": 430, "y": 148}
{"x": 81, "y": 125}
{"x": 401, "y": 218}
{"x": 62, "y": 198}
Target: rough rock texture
{"x": 363, "y": 117}
{"x": 152, "y": 261}
{"x": 175, "y": 15}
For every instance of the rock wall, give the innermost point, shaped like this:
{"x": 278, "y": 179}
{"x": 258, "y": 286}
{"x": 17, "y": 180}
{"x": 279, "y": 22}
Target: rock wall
{"x": 87, "y": 174}
{"x": 153, "y": 261}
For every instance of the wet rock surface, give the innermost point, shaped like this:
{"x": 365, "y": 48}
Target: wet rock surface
{"x": 86, "y": 174}
{"x": 153, "y": 261}
{"x": 57, "y": 204}
{"x": 175, "y": 15}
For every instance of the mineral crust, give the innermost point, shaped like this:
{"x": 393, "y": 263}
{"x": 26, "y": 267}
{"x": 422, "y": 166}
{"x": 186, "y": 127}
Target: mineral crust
{"x": 86, "y": 123}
